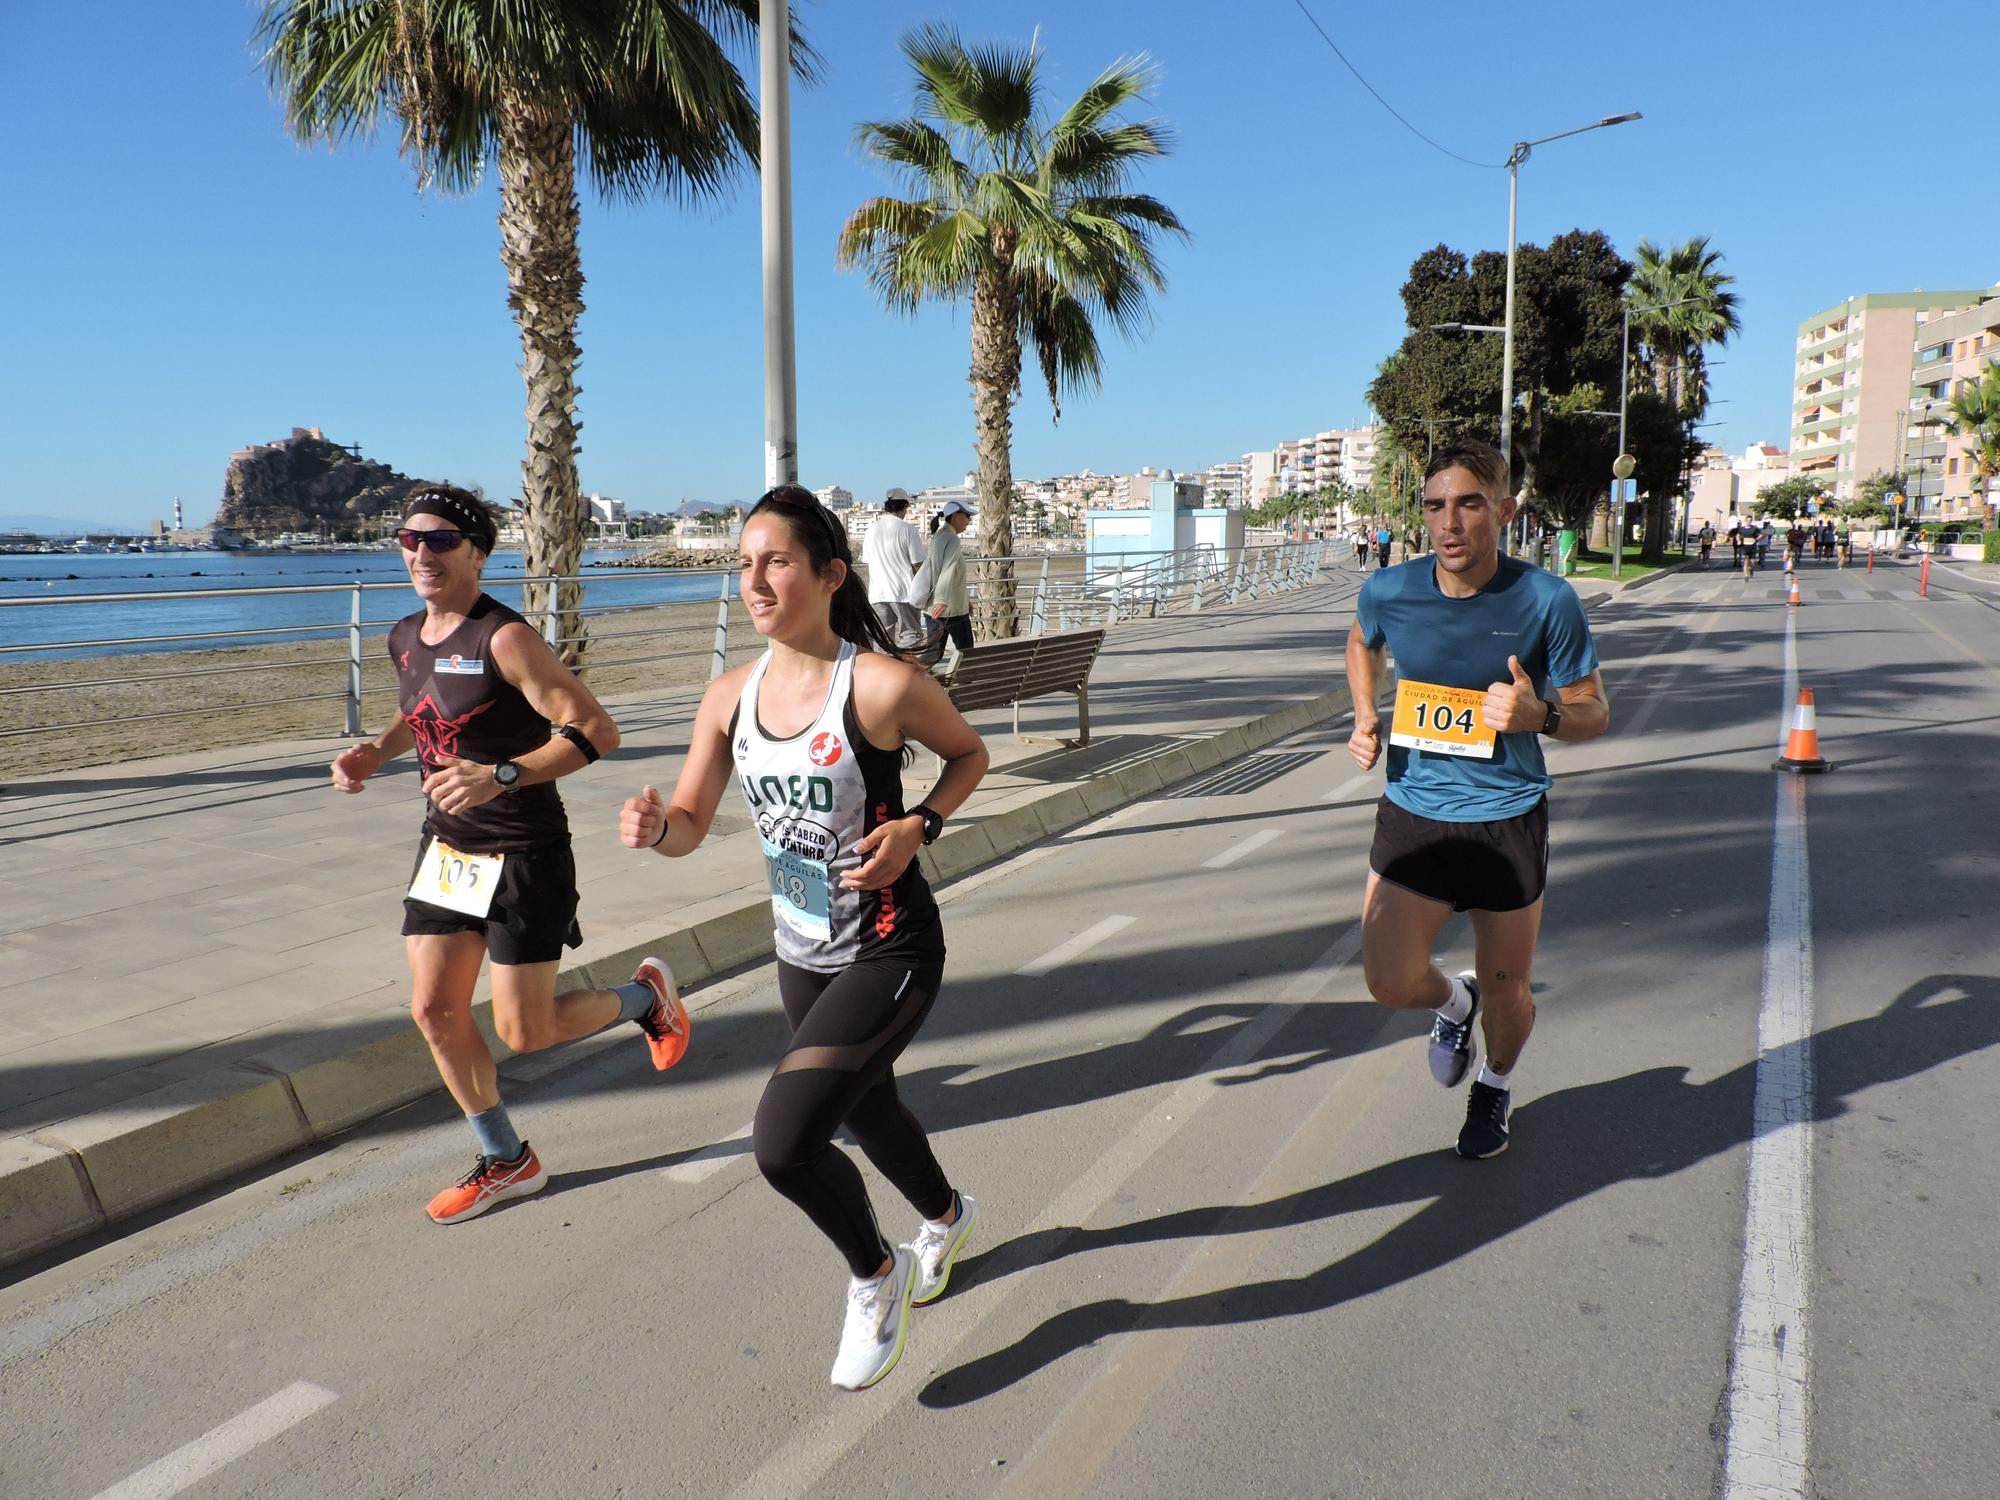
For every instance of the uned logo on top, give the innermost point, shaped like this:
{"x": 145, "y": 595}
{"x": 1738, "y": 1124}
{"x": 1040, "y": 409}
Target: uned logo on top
{"x": 824, "y": 749}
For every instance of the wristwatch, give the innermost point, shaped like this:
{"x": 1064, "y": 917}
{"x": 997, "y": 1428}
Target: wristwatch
{"x": 933, "y": 822}
{"x": 1554, "y": 720}
{"x": 508, "y": 775}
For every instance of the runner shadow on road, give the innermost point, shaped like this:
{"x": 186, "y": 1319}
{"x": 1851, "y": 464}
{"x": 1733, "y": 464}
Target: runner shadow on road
{"x": 1574, "y": 1142}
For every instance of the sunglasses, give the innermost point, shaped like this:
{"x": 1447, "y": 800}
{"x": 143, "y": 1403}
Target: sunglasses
{"x": 797, "y": 497}
{"x": 442, "y": 540}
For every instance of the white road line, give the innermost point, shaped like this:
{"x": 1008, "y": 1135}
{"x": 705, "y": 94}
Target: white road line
{"x": 711, "y": 1158}
{"x": 1235, "y": 852}
{"x": 223, "y": 1445}
{"x": 815, "y": 1447}
{"x": 1082, "y": 943}
{"x": 1350, "y": 786}
{"x": 1769, "y": 1369}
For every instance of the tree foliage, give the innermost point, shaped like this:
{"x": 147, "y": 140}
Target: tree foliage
{"x": 1786, "y": 499}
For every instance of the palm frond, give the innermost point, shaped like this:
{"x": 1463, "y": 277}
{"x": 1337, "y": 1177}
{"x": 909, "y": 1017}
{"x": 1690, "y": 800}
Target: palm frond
{"x": 1059, "y": 328}
{"x": 1117, "y": 86}
{"x": 1098, "y": 160}
{"x": 919, "y": 149}
{"x": 989, "y": 90}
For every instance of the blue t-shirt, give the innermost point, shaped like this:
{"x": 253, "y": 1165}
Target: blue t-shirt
{"x": 1465, "y": 643}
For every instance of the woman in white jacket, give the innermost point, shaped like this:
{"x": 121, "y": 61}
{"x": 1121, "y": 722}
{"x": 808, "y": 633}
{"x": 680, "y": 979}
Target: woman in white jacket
{"x": 943, "y": 580}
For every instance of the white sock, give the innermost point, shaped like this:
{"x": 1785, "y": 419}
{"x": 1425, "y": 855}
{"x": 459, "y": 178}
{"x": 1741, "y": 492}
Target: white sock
{"x": 1493, "y": 1080}
{"x": 1459, "y": 1006}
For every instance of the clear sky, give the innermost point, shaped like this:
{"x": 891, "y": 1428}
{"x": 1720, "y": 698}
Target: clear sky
{"x": 184, "y": 279}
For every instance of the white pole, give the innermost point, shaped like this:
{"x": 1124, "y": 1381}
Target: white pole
{"x": 1514, "y": 159}
{"x": 774, "y": 131}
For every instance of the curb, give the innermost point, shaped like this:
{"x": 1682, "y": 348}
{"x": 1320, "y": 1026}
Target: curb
{"x": 69, "y": 1178}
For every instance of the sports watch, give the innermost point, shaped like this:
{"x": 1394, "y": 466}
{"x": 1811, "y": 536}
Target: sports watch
{"x": 1554, "y": 720}
{"x": 507, "y": 774}
{"x": 933, "y": 822}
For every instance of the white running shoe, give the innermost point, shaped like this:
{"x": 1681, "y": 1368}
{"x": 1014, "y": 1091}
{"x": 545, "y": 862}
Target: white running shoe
{"x": 878, "y": 1323}
{"x": 936, "y": 1246}
{"x": 1454, "y": 1048}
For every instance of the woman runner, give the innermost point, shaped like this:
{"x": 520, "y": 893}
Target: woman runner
{"x": 814, "y": 731}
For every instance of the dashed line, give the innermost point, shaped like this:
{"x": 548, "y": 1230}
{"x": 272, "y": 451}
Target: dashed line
{"x": 710, "y": 1159}
{"x": 1077, "y": 946}
{"x": 1235, "y": 852}
{"x": 221, "y": 1446}
{"x": 1350, "y": 786}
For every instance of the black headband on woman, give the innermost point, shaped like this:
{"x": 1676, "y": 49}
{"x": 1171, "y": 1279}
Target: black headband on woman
{"x": 470, "y": 519}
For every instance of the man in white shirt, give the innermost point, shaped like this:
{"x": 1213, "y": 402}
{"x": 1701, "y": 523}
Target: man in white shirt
{"x": 893, "y": 552}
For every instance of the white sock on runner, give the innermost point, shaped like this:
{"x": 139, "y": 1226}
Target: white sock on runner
{"x": 1495, "y": 1080}
{"x": 1459, "y": 1006}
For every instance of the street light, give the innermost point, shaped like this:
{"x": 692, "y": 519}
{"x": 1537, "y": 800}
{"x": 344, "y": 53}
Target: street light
{"x": 774, "y": 135}
{"x": 1515, "y": 158}
{"x": 1624, "y": 381}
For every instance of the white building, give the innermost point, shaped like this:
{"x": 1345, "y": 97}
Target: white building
{"x": 834, "y": 497}
{"x": 605, "y": 511}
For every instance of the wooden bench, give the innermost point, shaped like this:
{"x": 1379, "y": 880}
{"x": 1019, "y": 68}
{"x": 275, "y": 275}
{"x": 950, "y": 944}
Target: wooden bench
{"x": 1009, "y": 672}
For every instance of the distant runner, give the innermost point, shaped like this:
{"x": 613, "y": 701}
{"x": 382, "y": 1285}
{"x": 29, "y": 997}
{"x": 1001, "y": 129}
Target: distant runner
{"x": 1480, "y": 642}
{"x": 496, "y": 718}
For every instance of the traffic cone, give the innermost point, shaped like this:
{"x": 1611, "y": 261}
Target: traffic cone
{"x": 1792, "y": 594}
{"x": 1802, "y": 757}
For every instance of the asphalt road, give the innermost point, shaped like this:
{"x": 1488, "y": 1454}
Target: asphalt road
{"x": 1226, "y": 1248}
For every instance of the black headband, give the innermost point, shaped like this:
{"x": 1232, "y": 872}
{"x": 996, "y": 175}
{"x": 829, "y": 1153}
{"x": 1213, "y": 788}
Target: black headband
{"x": 470, "y": 519}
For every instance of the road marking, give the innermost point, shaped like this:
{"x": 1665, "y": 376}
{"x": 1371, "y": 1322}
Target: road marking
{"x": 1348, "y": 787}
{"x": 797, "y": 1467}
{"x": 711, "y": 1158}
{"x": 1235, "y": 852}
{"x": 1769, "y": 1367}
{"x": 223, "y": 1445}
{"x": 1082, "y": 943}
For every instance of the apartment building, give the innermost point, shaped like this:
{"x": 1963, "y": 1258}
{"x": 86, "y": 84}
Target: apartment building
{"x": 1852, "y": 375}
{"x": 1952, "y": 351}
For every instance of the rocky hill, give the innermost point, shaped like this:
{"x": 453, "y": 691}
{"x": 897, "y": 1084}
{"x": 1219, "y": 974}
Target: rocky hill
{"x": 305, "y": 483}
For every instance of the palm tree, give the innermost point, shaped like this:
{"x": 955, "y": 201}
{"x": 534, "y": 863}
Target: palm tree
{"x": 1674, "y": 338}
{"x": 642, "y": 89}
{"x": 1028, "y": 218}
{"x": 1975, "y": 416}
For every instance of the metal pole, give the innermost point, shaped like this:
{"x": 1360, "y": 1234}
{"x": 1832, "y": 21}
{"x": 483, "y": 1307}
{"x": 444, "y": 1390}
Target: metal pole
{"x": 1514, "y": 159}
{"x": 354, "y": 665}
{"x": 774, "y": 134}
{"x": 1617, "y": 486}
{"x": 1039, "y": 621}
{"x": 719, "y": 657}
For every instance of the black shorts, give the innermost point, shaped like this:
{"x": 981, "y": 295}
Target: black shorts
{"x": 533, "y": 914}
{"x": 1498, "y": 866}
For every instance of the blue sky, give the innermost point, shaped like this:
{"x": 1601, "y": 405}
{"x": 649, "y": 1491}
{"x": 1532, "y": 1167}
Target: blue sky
{"x": 185, "y": 279}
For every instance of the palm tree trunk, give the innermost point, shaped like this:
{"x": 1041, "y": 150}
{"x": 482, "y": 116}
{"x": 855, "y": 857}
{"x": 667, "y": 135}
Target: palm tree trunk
{"x": 996, "y": 377}
{"x": 538, "y": 246}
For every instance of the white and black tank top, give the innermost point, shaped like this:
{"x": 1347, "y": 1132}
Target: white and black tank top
{"x": 814, "y": 795}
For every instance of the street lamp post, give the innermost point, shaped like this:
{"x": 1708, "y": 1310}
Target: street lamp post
{"x": 1515, "y": 158}
{"x": 774, "y": 110}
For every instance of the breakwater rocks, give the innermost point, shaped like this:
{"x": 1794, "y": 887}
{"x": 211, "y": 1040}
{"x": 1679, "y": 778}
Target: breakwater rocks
{"x": 673, "y": 557}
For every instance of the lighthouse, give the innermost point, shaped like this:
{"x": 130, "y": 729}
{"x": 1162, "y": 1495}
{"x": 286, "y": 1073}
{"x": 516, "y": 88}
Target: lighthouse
{"x": 177, "y": 513}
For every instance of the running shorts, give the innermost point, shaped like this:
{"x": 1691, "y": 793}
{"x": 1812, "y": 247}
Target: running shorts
{"x": 1498, "y": 866}
{"x": 533, "y": 914}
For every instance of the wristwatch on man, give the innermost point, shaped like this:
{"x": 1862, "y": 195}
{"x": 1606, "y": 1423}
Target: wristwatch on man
{"x": 933, "y": 822}
{"x": 1554, "y": 721}
{"x": 508, "y": 775}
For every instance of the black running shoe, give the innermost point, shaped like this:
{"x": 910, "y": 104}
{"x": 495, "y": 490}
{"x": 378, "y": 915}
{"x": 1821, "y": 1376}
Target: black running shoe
{"x": 1486, "y": 1112}
{"x": 1453, "y": 1051}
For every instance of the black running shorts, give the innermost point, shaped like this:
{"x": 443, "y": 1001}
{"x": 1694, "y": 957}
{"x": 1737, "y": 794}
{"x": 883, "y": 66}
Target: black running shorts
{"x": 533, "y": 914}
{"x": 1499, "y": 866}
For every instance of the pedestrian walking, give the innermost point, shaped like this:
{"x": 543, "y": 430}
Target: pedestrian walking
{"x": 814, "y": 732}
{"x": 1361, "y": 548}
{"x": 1383, "y": 539}
{"x": 1492, "y": 654}
{"x": 496, "y": 719}
{"x": 893, "y": 553}
{"x": 941, "y": 583}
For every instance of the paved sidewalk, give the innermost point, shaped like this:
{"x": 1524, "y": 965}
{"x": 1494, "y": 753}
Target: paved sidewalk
{"x": 199, "y": 967}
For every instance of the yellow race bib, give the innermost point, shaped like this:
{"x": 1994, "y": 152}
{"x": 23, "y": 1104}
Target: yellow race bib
{"x": 1441, "y": 720}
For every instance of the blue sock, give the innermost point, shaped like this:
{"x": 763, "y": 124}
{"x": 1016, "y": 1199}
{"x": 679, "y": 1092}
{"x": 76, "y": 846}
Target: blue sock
{"x": 634, "y": 1000}
{"x": 496, "y": 1133}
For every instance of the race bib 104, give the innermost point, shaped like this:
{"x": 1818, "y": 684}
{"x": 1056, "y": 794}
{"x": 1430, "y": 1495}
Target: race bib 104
{"x": 1441, "y": 720}
{"x": 457, "y": 881}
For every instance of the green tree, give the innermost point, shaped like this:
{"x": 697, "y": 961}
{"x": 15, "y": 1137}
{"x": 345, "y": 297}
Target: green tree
{"x": 644, "y": 90}
{"x": 1874, "y": 496}
{"x": 1030, "y": 219}
{"x": 1786, "y": 500}
{"x": 1975, "y": 416}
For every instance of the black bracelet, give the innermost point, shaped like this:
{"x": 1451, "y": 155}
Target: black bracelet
{"x": 579, "y": 739}
{"x": 663, "y": 833}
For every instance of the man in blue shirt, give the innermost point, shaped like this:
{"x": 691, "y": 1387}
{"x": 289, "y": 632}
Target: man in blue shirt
{"x": 1491, "y": 654}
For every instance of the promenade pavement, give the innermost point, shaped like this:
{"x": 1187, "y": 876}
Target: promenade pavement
{"x": 199, "y": 966}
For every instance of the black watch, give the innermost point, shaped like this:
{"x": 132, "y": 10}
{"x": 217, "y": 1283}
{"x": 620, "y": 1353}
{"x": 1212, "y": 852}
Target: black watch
{"x": 1554, "y": 720}
{"x": 933, "y": 822}
{"x": 507, "y": 774}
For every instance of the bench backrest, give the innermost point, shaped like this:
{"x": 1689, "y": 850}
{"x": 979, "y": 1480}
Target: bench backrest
{"x": 1003, "y": 672}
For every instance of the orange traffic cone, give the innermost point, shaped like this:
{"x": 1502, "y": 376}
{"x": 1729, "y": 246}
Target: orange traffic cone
{"x": 1802, "y": 757}
{"x": 1792, "y": 594}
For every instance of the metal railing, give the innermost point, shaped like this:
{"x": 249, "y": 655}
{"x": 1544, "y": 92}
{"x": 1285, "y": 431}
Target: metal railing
{"x": 1046, "y": 592}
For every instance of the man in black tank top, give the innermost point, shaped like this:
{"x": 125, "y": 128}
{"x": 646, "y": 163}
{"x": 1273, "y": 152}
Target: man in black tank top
{"x": 495, "y": 719}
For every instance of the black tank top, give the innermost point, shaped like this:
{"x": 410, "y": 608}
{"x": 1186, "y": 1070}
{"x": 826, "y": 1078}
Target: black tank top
{"x": 457, "y": 704}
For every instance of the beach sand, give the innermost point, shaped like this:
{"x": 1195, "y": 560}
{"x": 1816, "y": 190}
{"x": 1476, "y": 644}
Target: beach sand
{"x": 186, "y": 700}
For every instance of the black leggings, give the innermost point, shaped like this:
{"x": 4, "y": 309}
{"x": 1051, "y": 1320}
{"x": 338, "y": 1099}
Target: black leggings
{"x": 848, "y": 1029}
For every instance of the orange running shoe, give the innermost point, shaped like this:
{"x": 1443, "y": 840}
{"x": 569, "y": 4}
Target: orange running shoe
{"x": 490, "y": 1182}
{"x": 666, "y": 1025}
